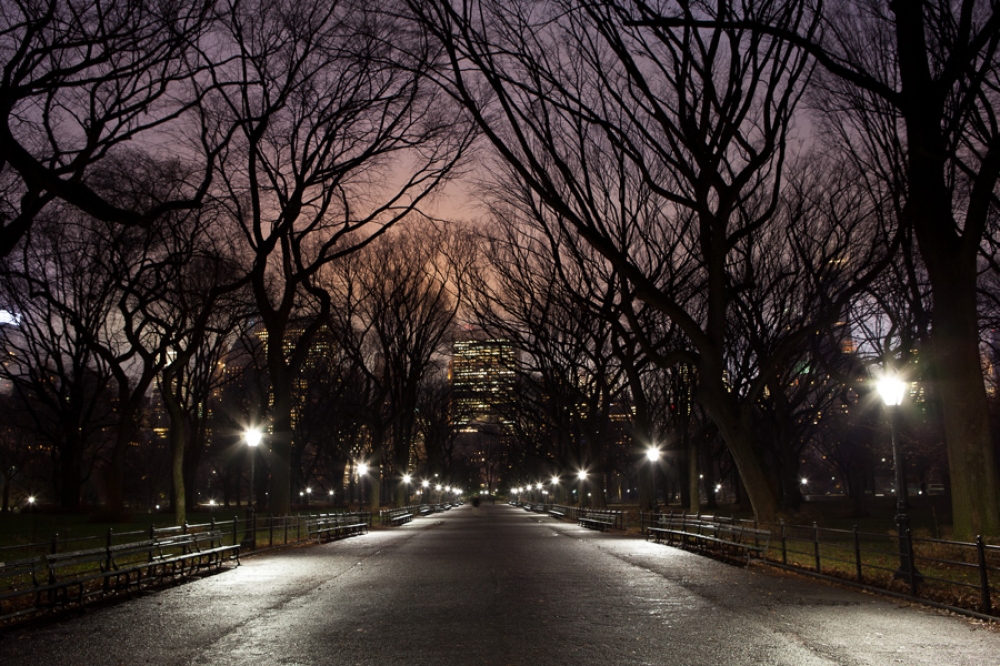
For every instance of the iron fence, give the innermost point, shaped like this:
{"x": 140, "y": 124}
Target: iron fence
{"x": 958, "y": 575}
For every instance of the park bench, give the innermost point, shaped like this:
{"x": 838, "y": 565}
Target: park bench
{"x": 74, "y": 576}
{"x": 49, "y": 578}
{"x": 335, "y": 526}
{"x": 555, "y": 513}
{"x": 425, "y": 510}
{"x": 399, "y": 517}
{"x": 168, "y": 553}
{"x": 597, "y": 520}
{"x": 711, "y": 535}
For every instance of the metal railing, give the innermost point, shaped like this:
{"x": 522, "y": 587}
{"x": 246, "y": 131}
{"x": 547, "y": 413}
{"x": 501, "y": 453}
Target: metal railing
{"x": 957, "y": 575}
{"x": 266, "y": 531}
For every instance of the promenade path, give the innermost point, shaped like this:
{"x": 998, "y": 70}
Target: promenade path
{"x": 501, "y": 587}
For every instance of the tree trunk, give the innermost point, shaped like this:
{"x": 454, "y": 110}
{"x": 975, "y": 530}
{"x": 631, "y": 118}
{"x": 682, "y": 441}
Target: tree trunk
{"x": 971, "y": 457}
{"x": 178, "y": 426}
{"x": 950, "y": 252}
{"x": 693, "y": 502}
{"x": 280, "y": 440}
{"x": 70, "y": 473}
{"x": 737, "y": 431}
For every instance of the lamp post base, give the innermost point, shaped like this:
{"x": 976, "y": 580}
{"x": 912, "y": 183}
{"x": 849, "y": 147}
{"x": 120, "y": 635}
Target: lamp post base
{"x": 907, "y": 570}
{"x": 249, "y": 541}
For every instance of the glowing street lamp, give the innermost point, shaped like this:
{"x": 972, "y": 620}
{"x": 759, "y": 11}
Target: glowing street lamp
{"x": 252, "y": 436}
{"x": 362, "y": 470}
{"x": 653, "y": 455}
{"x": 406, "y": 486}
{"x": 892, "y": 390}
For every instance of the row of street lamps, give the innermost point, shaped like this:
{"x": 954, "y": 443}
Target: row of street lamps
{"x": 253, "y": 437}
{"x": 890, "y": 388}
{"x": 653, "y": 454}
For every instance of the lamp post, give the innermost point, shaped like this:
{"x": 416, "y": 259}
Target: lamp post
{"x": 891, "y": 390}
{"x": 362, "y": 473}
{"x": 252, "y": 437}
{"x": 34, "y": 519}
{"x": 653, "y": 455}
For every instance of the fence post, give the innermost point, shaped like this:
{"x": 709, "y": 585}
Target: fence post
{"x": 910, "y": 564}
{"x": 816, "y": 546}
{"x": 857, "y": 554}
{"x": 784, "y": 544}
{"x": 107, "y": 559}
{"x": 270, "y": 530}
{"x": 236, "y": 528}
{"x": 984, "y": 575}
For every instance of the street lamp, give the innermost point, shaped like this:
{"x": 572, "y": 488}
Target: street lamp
{"x": 653, "y": 455}
{"x": 892, "y": 389}
{"x": 581, "y": 477}
{"x": 362, "y": 473}
{"x": 252, "y": 437}
{"x": 406, "y": 485}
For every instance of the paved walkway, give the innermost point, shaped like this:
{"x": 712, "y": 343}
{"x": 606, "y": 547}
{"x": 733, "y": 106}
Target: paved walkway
{"x": 502, "y": 587}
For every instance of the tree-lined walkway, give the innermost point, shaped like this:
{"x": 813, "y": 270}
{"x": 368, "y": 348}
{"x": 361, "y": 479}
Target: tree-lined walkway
{"x": 501, "y": 587}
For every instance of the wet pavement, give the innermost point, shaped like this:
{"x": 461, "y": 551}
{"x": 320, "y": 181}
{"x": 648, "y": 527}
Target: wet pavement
{"x": 501, "y": 587}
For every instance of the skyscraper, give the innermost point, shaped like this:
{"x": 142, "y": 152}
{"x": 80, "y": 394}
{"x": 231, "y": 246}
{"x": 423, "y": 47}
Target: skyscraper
{"x": 482, "y": 375}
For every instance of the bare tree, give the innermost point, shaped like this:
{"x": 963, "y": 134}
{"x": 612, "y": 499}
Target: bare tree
{"x": 914, "y": 87}
{"x": 556, "y": 303}
{"x": 664, "y": 147}
{"x": 337, "y": 137}
{"x": 80, "y": 79}
{"x": 59, "y": 377}
{"x": 395, "y": 308}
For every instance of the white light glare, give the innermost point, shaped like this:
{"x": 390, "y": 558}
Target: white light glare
{"x": 891, "y": 389}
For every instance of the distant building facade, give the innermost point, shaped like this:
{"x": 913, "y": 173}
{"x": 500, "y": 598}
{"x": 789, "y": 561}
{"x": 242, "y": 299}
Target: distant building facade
{"x": 482, "y": 376}
{"x": 483, "y": 379}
